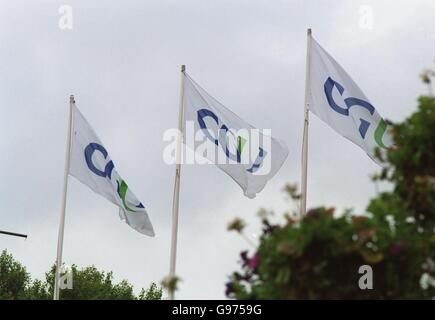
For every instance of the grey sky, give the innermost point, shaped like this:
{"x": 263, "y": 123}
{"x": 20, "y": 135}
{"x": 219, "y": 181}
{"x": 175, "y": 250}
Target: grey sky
{"x": 122, "y": 62}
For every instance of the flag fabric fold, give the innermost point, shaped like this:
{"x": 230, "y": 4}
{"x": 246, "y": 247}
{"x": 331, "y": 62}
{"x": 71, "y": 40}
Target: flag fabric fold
{"x": 90, "y": 163}
{"x": 337, "y": 100}
{"x": 249, "y": 156}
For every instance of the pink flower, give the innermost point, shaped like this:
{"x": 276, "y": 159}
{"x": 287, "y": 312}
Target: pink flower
{"x": 254, "y": 261}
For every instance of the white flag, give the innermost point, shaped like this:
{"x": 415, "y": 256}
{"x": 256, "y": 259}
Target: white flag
{"x": 90, "y": 164}
{"x": 250, "y": 156}
{"x": 336, "y": 99}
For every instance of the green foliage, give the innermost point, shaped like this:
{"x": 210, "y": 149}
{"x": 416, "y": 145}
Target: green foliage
{"x": 152, "y": 293}
{"x": 14, "y": 278}
{"x": 411, "y": 166}
{"x": 38, "y": 290}
{"x": 91, "y": 284}
{"x": 319, "y": 256}
{"x": 170, "y": 284}
{"x": 88, "y": 284}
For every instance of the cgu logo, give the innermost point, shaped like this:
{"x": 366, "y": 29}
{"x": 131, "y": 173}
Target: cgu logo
{"x": 222, "y": 140}
{"x": 121, "y": 185}
{"x": 355, "y": 102}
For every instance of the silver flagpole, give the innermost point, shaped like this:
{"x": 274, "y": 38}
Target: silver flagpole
{"x": 305, "y": 138}
{"x": 175, "y": 201}
{"x": 63, "y": 208}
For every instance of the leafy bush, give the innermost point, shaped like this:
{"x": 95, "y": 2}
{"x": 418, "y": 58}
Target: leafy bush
{"x": 319, "y": 256}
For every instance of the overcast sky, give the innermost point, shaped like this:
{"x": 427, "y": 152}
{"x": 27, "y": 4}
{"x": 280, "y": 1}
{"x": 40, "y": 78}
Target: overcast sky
{"x": 122, "y": 61}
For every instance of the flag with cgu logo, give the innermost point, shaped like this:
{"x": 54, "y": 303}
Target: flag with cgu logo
{"x": 249, "y": 156}
{"x": 336, "y": 99}
{"x": 90, "y": 164}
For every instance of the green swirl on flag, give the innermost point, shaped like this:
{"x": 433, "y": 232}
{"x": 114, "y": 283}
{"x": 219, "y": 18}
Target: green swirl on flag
{"x": 379, "y": 133}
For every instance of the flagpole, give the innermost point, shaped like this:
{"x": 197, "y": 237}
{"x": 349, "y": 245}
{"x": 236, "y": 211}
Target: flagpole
{"x": 303, "y": 208}
{"x": 63, "y": 208}
{"x": 175, "y": 201}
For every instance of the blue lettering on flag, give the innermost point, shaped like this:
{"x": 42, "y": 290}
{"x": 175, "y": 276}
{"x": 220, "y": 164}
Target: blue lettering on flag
{"x": 349, "y": 102}
{"x": 89, "y": 151}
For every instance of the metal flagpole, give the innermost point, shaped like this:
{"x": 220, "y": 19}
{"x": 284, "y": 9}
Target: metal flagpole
{"x": 63, "y": 208}
{"x": 175, "y": 201}
{"x": 305, "y": 138}
{"x": 9, "y": 233}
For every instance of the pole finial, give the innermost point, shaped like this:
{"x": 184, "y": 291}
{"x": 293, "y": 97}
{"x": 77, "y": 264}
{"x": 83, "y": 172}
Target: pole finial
{"x": 71, "y": 99}
{"x": 309, "y": 31}
{"x": 183, "y": 68}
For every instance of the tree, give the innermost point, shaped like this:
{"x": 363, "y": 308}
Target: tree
{"x": 89, "y": 283}
{"x": 319, "y": 256}
{"x": 152, "y": 293}
{"x": 14, "y": 278}
{"x": 411, "y": 168}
